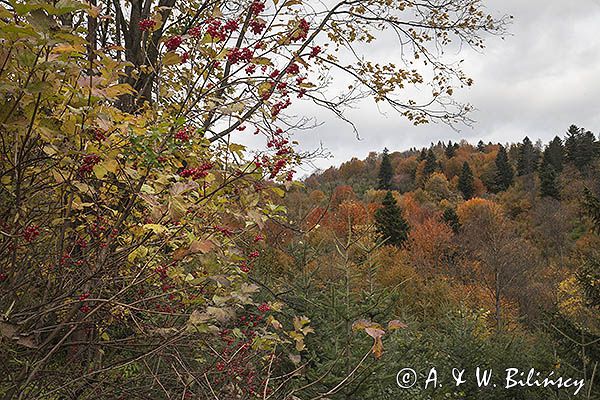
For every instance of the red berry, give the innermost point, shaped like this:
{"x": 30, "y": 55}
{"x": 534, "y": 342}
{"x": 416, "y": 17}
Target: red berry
{"x": 173, "y": 42}
{"x": 146, "y": 24}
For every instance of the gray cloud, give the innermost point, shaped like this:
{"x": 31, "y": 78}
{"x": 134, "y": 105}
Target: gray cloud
{"x": 536, "y": 82}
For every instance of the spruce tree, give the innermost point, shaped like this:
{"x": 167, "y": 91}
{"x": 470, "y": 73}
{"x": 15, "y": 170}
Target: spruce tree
{"x": 554, "y": 154}
{"x": 481, "y": 146}
{"x": 504, "y": 171}
{"x": 548, "y": 185}
{"x": 389, "y": 223}
{"x": 527, "y": 158}
{"x": 450, "y": 150}
{"x": 466, "y": 182}
{"x": 386, "y": 172}
{"x": 423, "y": 154}
{"x": 580, "y": 147}
{"x": 431, "y": 164}
{"x": 451, "y": 219}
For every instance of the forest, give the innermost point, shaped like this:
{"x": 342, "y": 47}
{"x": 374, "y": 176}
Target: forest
{"x": 146, "y": 254}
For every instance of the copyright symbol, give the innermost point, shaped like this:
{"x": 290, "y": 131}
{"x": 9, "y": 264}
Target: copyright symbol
{"x": 406, "y": 378}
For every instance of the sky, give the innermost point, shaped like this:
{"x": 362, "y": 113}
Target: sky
{"x": 535, "y": 82}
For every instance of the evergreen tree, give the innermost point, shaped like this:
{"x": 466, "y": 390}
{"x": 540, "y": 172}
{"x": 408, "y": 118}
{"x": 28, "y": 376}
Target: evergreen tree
{"x": 386, "y": 172}
{"x": 548, "y": 185}
{"x": 450, "y": 150}
{"x": 481, "y": 146}
{"x": 389, "y": 222}
{"x": 504, "y": 171}
{"x": 423, "y": 154}
{"x": 554, "y": 154}
{"x": 580, "y": 147}
{"x": 451, "y": 219}
{"x": 431, "y": 164}
{"x": 466, "y": 183}
{"x": 527, "y": 158}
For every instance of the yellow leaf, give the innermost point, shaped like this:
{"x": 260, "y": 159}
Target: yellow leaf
{"x": 119, "y": 89}
{"x": 156, "y": 228}
{"x": 171, "y": 58}
{"x": 100, "y": 171}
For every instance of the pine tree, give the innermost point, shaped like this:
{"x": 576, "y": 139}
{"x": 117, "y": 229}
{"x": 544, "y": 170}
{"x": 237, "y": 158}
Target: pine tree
{"x": 554, "y": 154}
{"x": 386, "y": 172}
{"x": 389, "y": 222}
{"x": 466, "y": 183}
{"x": 527, "y": 158}
{"x": 504, "y": 171}
{"x": 451, "y": 219}
{"x": 450, "y": 150}
{"x": 431, "y": 164}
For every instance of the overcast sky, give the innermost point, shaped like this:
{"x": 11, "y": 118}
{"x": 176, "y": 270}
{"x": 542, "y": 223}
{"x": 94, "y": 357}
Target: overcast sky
{"x": 536, "y": 82}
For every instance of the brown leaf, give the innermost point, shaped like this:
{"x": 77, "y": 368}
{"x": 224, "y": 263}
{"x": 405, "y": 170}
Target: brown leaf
{"x": 396, "y": 324}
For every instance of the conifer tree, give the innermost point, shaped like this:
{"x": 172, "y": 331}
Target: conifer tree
{"x": 431, "y": 164}
{"x": 554, "y": 154}
{"x": 450, "y": 150}
{"x": 580, "y": 147}
{"x": 527, "y": 158}
{"x": 423, "y": 154}
{"x": 390, "y": 224}
{"x": 451, "y": 219}
{"x": 504, "y": 171}
{"x": 481, "y": 146}
{"x": 386, "y": 172}
{"x": 548, "y": 185}
{"x": 466, "y": 182}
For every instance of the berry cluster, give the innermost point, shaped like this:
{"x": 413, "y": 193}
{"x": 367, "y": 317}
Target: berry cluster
{"x": 88, "y": 164}
{"x": 236, "y": 55}
{"x": 147, "y": 24}
{"x": 257, "y": 7}
{"x": 197, "y": 173}
{"x": 173, "y": 42}
{"x": 215, "y": 29}
{"x": 31, "y": 233}
{"x": 257, "y": 26}
{"x": 279, "y": 106}
{"x": 264, "y": 307}
{"x": 231, "y": 25}
{"x": 3, "y": 276}
{"x": 185, "y": 133}
{"x": 302, "y": 31}
{"x": 314, "y": 51}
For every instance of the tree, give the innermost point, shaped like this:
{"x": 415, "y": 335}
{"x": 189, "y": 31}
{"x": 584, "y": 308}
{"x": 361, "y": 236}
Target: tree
{"x": 491, "y": 240}
{"x": 466, "y": 181}
{"x": 548, "y": 184}
{"x": 554, "y": 154}
{"x": 527, "y": 158}
{"x": 548, "y": 174}
{"x": 504, "y": 171}
{"x": 580, "y": 147}
{"x": 431, "y": 164}
{"x": 451, "y": 219}
{"x": 386, "y": 172}
{"x": 390, "y": 224}
{"x": 451, "y": 150}
{"x": 481, "y": 146}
